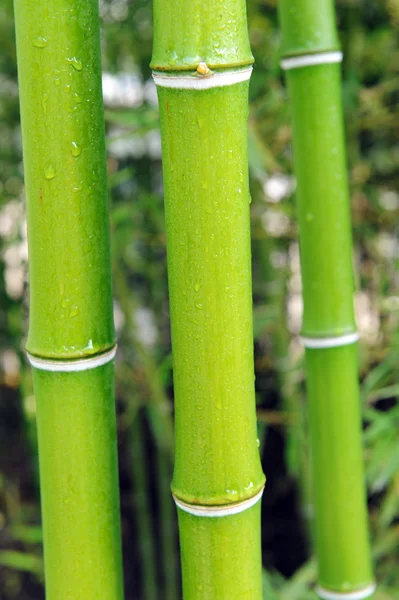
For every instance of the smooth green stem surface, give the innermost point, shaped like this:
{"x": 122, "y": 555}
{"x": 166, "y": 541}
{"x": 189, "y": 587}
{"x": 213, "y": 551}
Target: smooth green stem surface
{"x": 220, "y": 556}
{"x": 308, "y": 26}
{"x": 322, "y": 199}
{"x": 205, "y": 166}
{"x": 341, "y": 515}
{"x": 326, "y": 263}
{"x": 79, "y": 486}
{"x": 207, "y": 222}
{"x": 209, "y": 267}
{"x": 187, "y": 33}
{"x": 62, "y": 119}
{"x": 58, "y": 50}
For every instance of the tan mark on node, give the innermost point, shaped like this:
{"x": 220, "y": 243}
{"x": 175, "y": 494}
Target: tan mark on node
{"x": 203, "y": 69}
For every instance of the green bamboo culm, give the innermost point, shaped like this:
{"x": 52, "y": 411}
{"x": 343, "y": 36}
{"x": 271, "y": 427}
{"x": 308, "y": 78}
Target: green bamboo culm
{"x": 71, "y": 340}
{"x": 201, "y": 64}
{"x": 311, "y": 58}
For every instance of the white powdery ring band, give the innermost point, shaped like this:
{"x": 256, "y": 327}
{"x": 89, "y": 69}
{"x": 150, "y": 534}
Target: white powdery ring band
{"x": 356, "y": 595}
{"x": 218, "y": 511}
{"x": 202, "y": 82}
{"x": 330, "y": 342}
{"x": 310, "y": 60}
{"x": 72, "y": 366}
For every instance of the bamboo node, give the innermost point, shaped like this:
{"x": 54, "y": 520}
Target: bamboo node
{"x": 330, "y": 342}
{"x": 355, "y": 595}
{"x": 72, "y": 366}
{"x": 310, "y": 60}
{"x": 203, "y": 69}
{"x": 213, "y": 80}
{"x": 226, "y": 510}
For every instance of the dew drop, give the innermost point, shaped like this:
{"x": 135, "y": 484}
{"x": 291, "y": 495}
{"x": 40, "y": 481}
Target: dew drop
{"x": 57, "y": 81}
{"x": 197, "y": 287}
{"x": 40, "y": 42}
{"x": 76, "y": 149}
{"x": 258, "y": 442}
{"x": 76, "y": 63}
{"x": 78, "y": 99}
{"x": 198, "y": 305}
{"x": 50, "y": 172}
{"x": 204, "y": 185}
{"x": 74, "y": 311}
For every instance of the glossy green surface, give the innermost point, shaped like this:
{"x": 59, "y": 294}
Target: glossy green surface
{"x": 341, "y": 516}
{"x": 220, "y": 556}
{"x": 308, "y": 26}
{"x": 189, "y": 32}
{"x": 59, "y": 72}
{"x": 207, "y": 199}
{"x": 79, "y": 487}
{"x": 341, "y": 534}
{"x": 64, "y": 162}
{"x": 322, "y": 199}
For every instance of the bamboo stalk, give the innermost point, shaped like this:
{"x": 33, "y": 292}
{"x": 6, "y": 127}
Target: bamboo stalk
{"x": 311, "y": 58}
{"x": 71, "y": 335}
{"x": 201, "y": 63}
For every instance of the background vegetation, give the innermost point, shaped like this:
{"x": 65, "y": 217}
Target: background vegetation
{"x": 370, "y": 38}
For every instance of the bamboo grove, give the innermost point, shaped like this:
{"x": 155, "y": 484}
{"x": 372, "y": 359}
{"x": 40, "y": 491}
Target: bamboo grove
{"x": 201, "y": 65}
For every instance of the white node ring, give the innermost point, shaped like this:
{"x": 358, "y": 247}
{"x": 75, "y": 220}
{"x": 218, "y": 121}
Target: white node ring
{"x": 201, "y": 82}
{"x": 72, "y": 366}
{"x": 218, "y": 511}
{"x": 356, "y": 595}
{"x": 330, "y": 342}
{"x": 310, "y": 60}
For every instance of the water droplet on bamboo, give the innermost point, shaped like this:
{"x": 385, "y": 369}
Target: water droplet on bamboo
{"x": 50, "y": 172}
{"x": 204, "y": 185}
{"x": 74, "y": 311}
{"x": 75, "y": 149}
{"x": 40, "y": 42}
{"x": 78, "y": 99}
{"x": 76, "y": 63}
{"x": 258, "y": 442}
{"x": 197, "y": 287}
{"x": 199, "y": 306}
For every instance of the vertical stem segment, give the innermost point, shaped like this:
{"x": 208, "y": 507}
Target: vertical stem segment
{"x": 71, "y": 336}
{"x": 311, "y": 59}
{"x": 201, "y": 66}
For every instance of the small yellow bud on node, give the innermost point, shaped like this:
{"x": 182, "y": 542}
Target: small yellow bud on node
{"x": 203, "y": 69}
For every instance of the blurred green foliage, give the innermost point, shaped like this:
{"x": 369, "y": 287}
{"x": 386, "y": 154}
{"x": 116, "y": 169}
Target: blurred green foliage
{"x": 370, "y": 38}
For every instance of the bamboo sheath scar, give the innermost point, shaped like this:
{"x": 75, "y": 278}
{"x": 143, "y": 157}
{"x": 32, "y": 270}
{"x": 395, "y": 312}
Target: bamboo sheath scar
{"x": 201, "y": 65}
{"x": 71, "y": 340}
{"x": 311, "y": 59}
